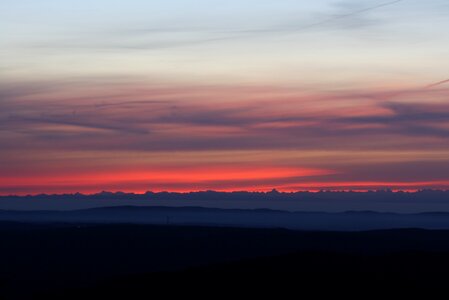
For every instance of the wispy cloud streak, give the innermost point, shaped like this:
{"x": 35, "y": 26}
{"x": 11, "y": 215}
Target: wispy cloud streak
{"x": 437, "y": 83}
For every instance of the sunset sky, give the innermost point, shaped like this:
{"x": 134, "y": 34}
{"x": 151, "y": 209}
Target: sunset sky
{"x": 188, "y": 95}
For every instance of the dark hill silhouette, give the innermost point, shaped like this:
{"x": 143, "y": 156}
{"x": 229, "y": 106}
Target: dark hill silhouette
{"x": 82, "y": 260}
{"x": 318, "y": 274}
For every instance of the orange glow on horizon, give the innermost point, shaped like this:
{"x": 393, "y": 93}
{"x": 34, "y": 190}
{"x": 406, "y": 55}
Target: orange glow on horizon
{"x": 171, "y": 176}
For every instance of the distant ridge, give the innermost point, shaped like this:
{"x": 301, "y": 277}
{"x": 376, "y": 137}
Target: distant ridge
{"x": 329, "y": 201}
{"x": 255, "y": 218}
{"x": 180, "y": 208}
{"x": 134, "y": 208}
{"x": 274, "y": 194}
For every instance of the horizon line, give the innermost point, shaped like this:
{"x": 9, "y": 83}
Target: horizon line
{"x": 273, "y": 191}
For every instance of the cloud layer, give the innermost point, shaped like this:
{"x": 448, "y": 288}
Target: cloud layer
{"x": 303, "y": 140}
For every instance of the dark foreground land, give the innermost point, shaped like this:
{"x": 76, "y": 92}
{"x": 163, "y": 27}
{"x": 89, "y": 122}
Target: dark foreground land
{"x": 94, "y": 261}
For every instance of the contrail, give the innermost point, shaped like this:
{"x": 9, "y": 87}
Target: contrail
{"x": 350, "y": 14}
{"x": 437, "y": 84}
{"x": 305, "y": 27}
{"x": 244, "y": 34}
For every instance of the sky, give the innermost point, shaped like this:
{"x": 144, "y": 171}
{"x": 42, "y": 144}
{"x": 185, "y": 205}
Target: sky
{"x": 188, "y": 95}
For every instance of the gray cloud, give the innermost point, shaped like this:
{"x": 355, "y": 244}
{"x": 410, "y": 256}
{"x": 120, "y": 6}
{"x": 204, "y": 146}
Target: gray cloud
{"x": 408, "y": 119}
{"x": 184, "y": 118}
{"x": 81, "y": 122}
